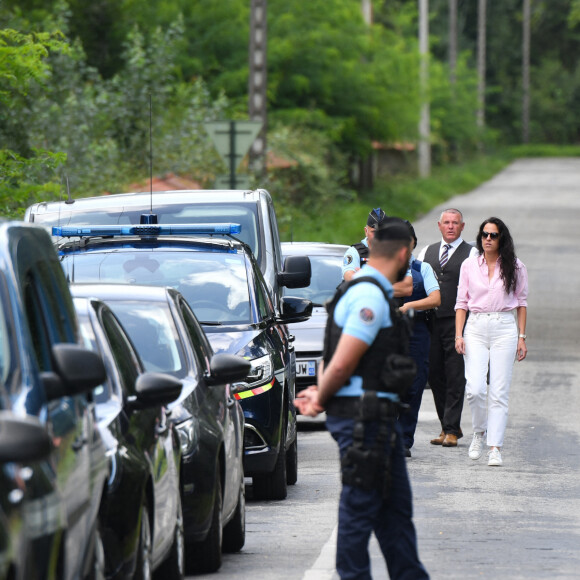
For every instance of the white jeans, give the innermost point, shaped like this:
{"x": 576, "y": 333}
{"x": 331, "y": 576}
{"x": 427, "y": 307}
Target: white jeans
{"x": 490, "y": 339}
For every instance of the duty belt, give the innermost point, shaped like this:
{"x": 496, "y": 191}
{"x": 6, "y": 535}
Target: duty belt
{"x": 349, "y": 407}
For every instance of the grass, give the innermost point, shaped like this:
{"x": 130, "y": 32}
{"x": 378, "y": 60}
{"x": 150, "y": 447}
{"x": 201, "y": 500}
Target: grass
{"x": 403, "y": 196}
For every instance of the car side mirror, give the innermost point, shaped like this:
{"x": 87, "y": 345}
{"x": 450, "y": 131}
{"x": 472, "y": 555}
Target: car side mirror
{"x": 76, "y": 370}
{"x": 155, "y": 390}
{"x": 227, "y": 368}
{"x": 22, "y": 439}
{"x": 294, "y": 309}
{"x": 297, "y": 272}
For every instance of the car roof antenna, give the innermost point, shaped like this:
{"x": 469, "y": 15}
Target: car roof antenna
{"x": 69, "y": 199}
{"x": 150, "y": 218}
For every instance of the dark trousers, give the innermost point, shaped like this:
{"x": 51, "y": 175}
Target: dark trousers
{"x": 362, "y": 512}
{"x": 446, "y": 375}
{"x": 419, "y": 351}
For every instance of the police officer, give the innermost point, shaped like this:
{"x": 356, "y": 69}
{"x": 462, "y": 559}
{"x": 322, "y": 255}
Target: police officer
{"x": 358, "y": 254}
{"x": 359, "y": 389}
{"x": 426, "y": 296}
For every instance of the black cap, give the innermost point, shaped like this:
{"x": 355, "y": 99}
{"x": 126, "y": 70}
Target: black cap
{"x": 376, "y": 218}
{"x": 393, "y": 229}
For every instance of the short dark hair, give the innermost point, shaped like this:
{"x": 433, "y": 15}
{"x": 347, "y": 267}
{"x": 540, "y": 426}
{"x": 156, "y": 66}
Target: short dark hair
{"x": 392, "y": 235}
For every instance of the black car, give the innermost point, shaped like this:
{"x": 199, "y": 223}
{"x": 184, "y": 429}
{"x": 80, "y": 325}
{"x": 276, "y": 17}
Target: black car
{"x": 223, "y": 284}
{"x": 23, "y": 553}
{"x": 206, "y": 416}
{"x": 49, "y": 507}
{"x": 141, "y": 517}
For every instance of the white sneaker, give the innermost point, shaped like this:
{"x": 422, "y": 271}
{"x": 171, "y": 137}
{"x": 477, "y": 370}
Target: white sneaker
{"x": 476, "y": 447}
{"x": 495, "y": 459}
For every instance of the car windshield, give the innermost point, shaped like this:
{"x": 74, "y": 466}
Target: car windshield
{"x": 326, "y": 276}
{"x": 215, "y": 284}
{"x": 244, "y": 214}
{"x": 152, "y": 330}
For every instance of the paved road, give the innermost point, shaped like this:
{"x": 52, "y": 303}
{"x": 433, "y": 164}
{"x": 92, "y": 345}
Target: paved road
{"x": 521, "y": 521}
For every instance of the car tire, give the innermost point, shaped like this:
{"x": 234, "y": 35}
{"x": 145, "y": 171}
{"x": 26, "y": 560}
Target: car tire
{"x": 273, "y": 485}
{"x": 173, "y": 568}
{"x": 292, "y": 463}
{"x": 206, "y": 556}
{"x": 144, "y": 567}
{"x": 235, "y": 530}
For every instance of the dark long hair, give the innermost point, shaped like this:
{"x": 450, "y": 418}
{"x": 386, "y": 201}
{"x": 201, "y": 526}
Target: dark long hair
{"x": 507, "y": 253}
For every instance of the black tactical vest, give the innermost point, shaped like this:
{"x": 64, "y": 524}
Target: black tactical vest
{"x": 382, "y": 364}
{"x": 363, "y": 253}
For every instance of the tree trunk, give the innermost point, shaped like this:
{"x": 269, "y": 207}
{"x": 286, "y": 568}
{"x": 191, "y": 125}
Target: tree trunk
{"x": 526, "y": 72}
{"x": 481, "y": 63}
{"x": 424, "y": 123}
{"x": 452, "y": 40}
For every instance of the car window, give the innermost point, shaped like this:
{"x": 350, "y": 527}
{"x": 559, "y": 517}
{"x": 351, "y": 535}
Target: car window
{"x": 326, "y": 276}
{"x": 122, "y": 351}
{"x": 214, "y": 283}
{"x": 198, "y": 339}
{"x": 103, "y": 392}
{"x": 152, "y": 330}
{"x": 5, "y": 351}
{"x": 265, "y": 307}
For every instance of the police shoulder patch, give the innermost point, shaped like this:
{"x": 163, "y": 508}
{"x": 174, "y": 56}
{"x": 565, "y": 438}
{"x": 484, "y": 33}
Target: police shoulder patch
{"x": 366, "y": 315}
{"x": 347, "y": 260}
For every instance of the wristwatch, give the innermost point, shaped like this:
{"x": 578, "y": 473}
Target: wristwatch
{"x": 522, "y": 336}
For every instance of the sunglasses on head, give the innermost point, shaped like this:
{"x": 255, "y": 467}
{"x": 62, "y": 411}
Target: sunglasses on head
{"x": 492, "y": 235}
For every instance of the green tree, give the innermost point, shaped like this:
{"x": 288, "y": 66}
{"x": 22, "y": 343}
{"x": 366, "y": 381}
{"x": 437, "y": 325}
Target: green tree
{"x": 26, "y": 173}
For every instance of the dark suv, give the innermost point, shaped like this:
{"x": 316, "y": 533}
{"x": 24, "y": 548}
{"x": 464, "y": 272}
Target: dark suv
{"x": 253, "y": 210}
{"x": 221, "y": 281}
{"x": 50, "y": 505}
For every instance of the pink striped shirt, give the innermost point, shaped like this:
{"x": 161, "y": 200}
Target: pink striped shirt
{"x": 477, "y": 293}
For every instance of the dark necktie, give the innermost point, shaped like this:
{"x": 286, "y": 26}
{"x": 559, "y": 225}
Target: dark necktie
{"x": 445, "y": 255}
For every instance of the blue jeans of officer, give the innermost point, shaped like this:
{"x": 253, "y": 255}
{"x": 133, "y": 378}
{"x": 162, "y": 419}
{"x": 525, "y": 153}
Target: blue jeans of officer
{"x": 419, "y": 351}
{"x": 361, "y": 512}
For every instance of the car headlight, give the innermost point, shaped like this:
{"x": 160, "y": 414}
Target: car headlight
{"x": 261, "y": 371}
{"x": 188, "y": 435}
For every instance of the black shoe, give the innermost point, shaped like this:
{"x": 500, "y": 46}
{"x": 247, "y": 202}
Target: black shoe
{"x": 407, "y": 452}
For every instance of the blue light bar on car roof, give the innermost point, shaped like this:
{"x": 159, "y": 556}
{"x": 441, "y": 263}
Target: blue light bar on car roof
{"x": 146, "y": 230}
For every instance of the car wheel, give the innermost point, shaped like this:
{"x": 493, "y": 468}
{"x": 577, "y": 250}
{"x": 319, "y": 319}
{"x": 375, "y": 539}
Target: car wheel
{"x": 98, "y": 567}
{"x": 292, "y": 463}
{"x": 143, "y": 570}
{"x": 173, "y": 568}
{"x": 206, "y": 556}
{"x": 273, "y": 485}
{"x": 235, "y": 531}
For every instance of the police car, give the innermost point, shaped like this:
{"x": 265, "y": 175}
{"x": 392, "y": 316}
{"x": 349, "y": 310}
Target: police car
{"x": 220, "y": 279}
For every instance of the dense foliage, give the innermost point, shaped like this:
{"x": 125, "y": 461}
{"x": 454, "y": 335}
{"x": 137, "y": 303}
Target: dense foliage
{"x": 77, "y": 79}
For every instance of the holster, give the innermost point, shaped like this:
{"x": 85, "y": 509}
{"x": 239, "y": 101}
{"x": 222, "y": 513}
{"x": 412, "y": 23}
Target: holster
{"x": 368, "y": 468}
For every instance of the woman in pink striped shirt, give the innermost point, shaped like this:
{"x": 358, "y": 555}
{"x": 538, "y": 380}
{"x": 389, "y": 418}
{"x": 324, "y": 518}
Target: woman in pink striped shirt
{"x": 493, "y": 287}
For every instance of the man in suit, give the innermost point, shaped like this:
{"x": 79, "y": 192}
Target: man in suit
{"x": 446, "y": 370}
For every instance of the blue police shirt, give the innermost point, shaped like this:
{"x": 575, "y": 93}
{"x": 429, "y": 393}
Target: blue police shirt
{"x": 351, "y": 260}
{"x": 361, "y": 313}
{"x": 430, "y": 282}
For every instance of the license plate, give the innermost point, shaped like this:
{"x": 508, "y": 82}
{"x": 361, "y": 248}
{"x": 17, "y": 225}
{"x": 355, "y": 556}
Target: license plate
{"x": 306, "y": 368}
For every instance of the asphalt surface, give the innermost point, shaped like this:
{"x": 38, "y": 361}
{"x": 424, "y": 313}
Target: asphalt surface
{"x": 520, "y": 521}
